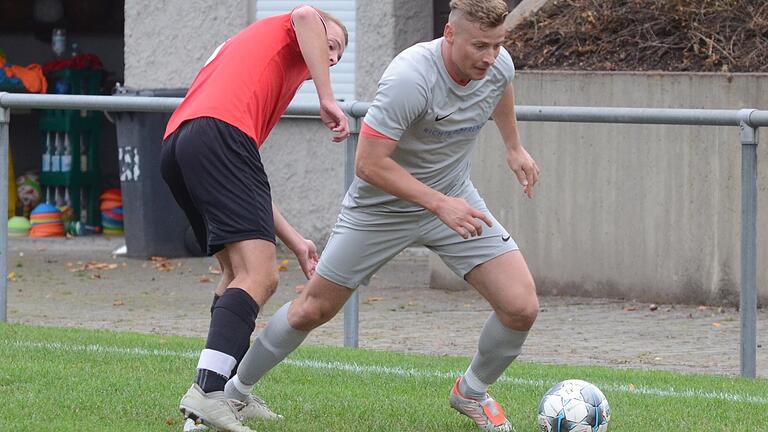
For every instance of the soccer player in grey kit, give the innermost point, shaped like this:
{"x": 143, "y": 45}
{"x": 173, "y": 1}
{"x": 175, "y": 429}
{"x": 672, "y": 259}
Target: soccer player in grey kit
{"x": 413, "y": 187}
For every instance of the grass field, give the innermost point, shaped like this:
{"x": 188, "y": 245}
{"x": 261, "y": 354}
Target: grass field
{"x": 67, "y": 380}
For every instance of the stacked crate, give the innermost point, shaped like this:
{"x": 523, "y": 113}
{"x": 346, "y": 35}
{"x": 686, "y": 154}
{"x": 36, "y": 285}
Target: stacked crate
{"x": 70, "y": 174}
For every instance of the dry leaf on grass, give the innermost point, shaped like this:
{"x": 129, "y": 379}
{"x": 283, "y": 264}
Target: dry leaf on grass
{"x": 93, "y": 265}
{"x": 370, "y": 300}
{"x": 162, "y": 263}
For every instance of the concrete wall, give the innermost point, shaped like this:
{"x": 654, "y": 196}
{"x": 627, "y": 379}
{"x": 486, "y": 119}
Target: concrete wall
{"x": 636, "y": 211}
{"x": 306, "y": 173}
{"x": 390, "y": 27}
{"x": 646, "y": 212}
{"x": 167, "y": 41}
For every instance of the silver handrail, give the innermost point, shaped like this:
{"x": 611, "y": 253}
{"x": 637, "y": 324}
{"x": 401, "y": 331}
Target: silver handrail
{"x": 748, "y": 121}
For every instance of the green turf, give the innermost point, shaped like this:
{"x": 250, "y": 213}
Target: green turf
{"x": 80, "y": 380}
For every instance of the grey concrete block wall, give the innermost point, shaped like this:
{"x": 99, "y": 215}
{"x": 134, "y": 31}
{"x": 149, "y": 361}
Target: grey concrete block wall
{"x": 390, "y": 27}
{"x": 306, "y": 173}
{"x": 168, "y": 41}
{"x": 635, "y": 211}
{"x": 647, "y": 212}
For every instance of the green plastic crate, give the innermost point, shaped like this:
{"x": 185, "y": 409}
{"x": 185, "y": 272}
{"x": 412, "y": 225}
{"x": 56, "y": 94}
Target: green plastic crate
{"x": 83, "y": 175}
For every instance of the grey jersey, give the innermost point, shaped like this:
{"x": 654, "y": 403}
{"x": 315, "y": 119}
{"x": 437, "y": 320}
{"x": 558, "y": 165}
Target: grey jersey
{"x": 434, "y": 119}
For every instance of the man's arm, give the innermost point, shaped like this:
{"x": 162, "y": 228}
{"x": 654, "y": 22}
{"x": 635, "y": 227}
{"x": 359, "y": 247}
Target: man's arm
{"x": 313, "y": 42}
{"x": 373, "y": 163}
{"x": 518, "y": 159}
{"x": 304, "y": 249}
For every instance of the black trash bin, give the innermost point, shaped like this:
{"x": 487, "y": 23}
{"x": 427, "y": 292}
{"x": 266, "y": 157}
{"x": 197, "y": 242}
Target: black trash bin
{"x": 154, "y": 224}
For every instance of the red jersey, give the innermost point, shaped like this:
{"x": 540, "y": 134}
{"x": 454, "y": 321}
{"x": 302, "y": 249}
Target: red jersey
{"x": 249, "y": 80}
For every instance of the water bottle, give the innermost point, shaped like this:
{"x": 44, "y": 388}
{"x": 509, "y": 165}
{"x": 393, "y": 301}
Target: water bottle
{"x": 83, "y": 154}
{"x": 56, "y": 153}
{"x": 59, "y": 42}
{"x": 66, "y": 157}
{"x": 83, "y": 205}
{"x": 47, "y": 153}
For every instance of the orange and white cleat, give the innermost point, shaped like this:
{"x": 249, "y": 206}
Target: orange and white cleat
{"x": 486, "y": 414}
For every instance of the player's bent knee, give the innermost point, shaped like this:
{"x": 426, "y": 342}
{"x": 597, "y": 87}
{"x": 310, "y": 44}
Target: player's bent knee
{"x": 307, "y": 316}
{"x": 520, "y": 315}
{"x": 260, "y": 288}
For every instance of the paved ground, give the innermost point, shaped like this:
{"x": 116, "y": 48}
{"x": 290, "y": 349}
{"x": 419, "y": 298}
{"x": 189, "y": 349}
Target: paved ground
{"x": 53, "y": 284}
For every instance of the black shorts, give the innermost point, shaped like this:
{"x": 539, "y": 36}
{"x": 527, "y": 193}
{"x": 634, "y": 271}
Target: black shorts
{"x": 215, "y": 174}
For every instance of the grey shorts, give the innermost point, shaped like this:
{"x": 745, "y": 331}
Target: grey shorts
{"x": 363, "y": 240}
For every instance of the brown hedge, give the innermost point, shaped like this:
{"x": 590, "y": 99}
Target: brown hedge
{"x": 667, "y": 35}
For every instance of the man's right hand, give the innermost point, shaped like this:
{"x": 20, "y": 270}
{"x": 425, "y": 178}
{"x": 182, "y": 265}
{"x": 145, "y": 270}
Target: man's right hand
{"x": 461, "y": 217}
{"x": 334, "y": 119}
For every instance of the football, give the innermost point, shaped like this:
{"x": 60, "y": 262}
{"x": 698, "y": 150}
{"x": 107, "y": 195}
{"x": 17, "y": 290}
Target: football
{"x": 574, "y": 406}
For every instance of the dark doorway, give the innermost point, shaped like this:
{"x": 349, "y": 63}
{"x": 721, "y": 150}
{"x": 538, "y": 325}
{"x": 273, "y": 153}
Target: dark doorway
{"x": 91, "y": 27}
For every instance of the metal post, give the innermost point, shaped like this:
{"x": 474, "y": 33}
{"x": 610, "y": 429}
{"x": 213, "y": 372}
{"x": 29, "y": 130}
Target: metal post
{"x": 748, "y": 293}
{"x": 352, "y": 307}
{"x": 5, "y": 121}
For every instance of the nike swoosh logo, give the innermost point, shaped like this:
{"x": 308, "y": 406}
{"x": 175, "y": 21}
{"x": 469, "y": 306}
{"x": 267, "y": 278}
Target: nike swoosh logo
{"x": 505, "y": 239}
{"x": 438, "y": 118}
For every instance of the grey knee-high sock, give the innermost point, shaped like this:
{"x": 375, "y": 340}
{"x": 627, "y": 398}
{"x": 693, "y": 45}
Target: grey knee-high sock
{"x": 274, "y": 343}
{"x": 497, "y": 348}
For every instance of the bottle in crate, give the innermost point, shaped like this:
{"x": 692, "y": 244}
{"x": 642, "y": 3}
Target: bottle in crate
{"x": 66, "y": 154}
{"x": 74, "y": 178}
{"x": 83, "y": 153}
{"x": 71, "y": 139}
{"x": 56, "y": 153}
{"x": 47, "y": 150}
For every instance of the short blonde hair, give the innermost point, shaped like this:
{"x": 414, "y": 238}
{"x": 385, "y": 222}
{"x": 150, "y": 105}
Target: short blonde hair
{"x": 328, "y": 17}
{"x": 486, "y": 13}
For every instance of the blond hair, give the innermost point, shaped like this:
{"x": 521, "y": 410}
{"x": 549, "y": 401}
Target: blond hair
{"x": 486, "y": 13}
{"x": 328, "y": 17}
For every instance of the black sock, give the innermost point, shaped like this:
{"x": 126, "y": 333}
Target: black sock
{"x": 233, "y": 320}
{"x": 216, "y": 298}
{"x": 239, "y": 358}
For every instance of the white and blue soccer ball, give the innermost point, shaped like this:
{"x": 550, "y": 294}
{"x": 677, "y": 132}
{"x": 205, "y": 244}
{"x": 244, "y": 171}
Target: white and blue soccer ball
{"x": 574, "y": 406}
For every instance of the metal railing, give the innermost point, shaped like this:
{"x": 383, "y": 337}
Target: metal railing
{"x": 748, "y": 120}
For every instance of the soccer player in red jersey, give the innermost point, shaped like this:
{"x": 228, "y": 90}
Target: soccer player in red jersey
{"x": 210, "y": 161}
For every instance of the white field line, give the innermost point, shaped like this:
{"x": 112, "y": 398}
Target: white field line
{"x": 397, "y": 371}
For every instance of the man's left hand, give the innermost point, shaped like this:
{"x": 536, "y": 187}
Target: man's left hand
{"x": 525, "y": 168}
{"x": 306, "y": 254}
